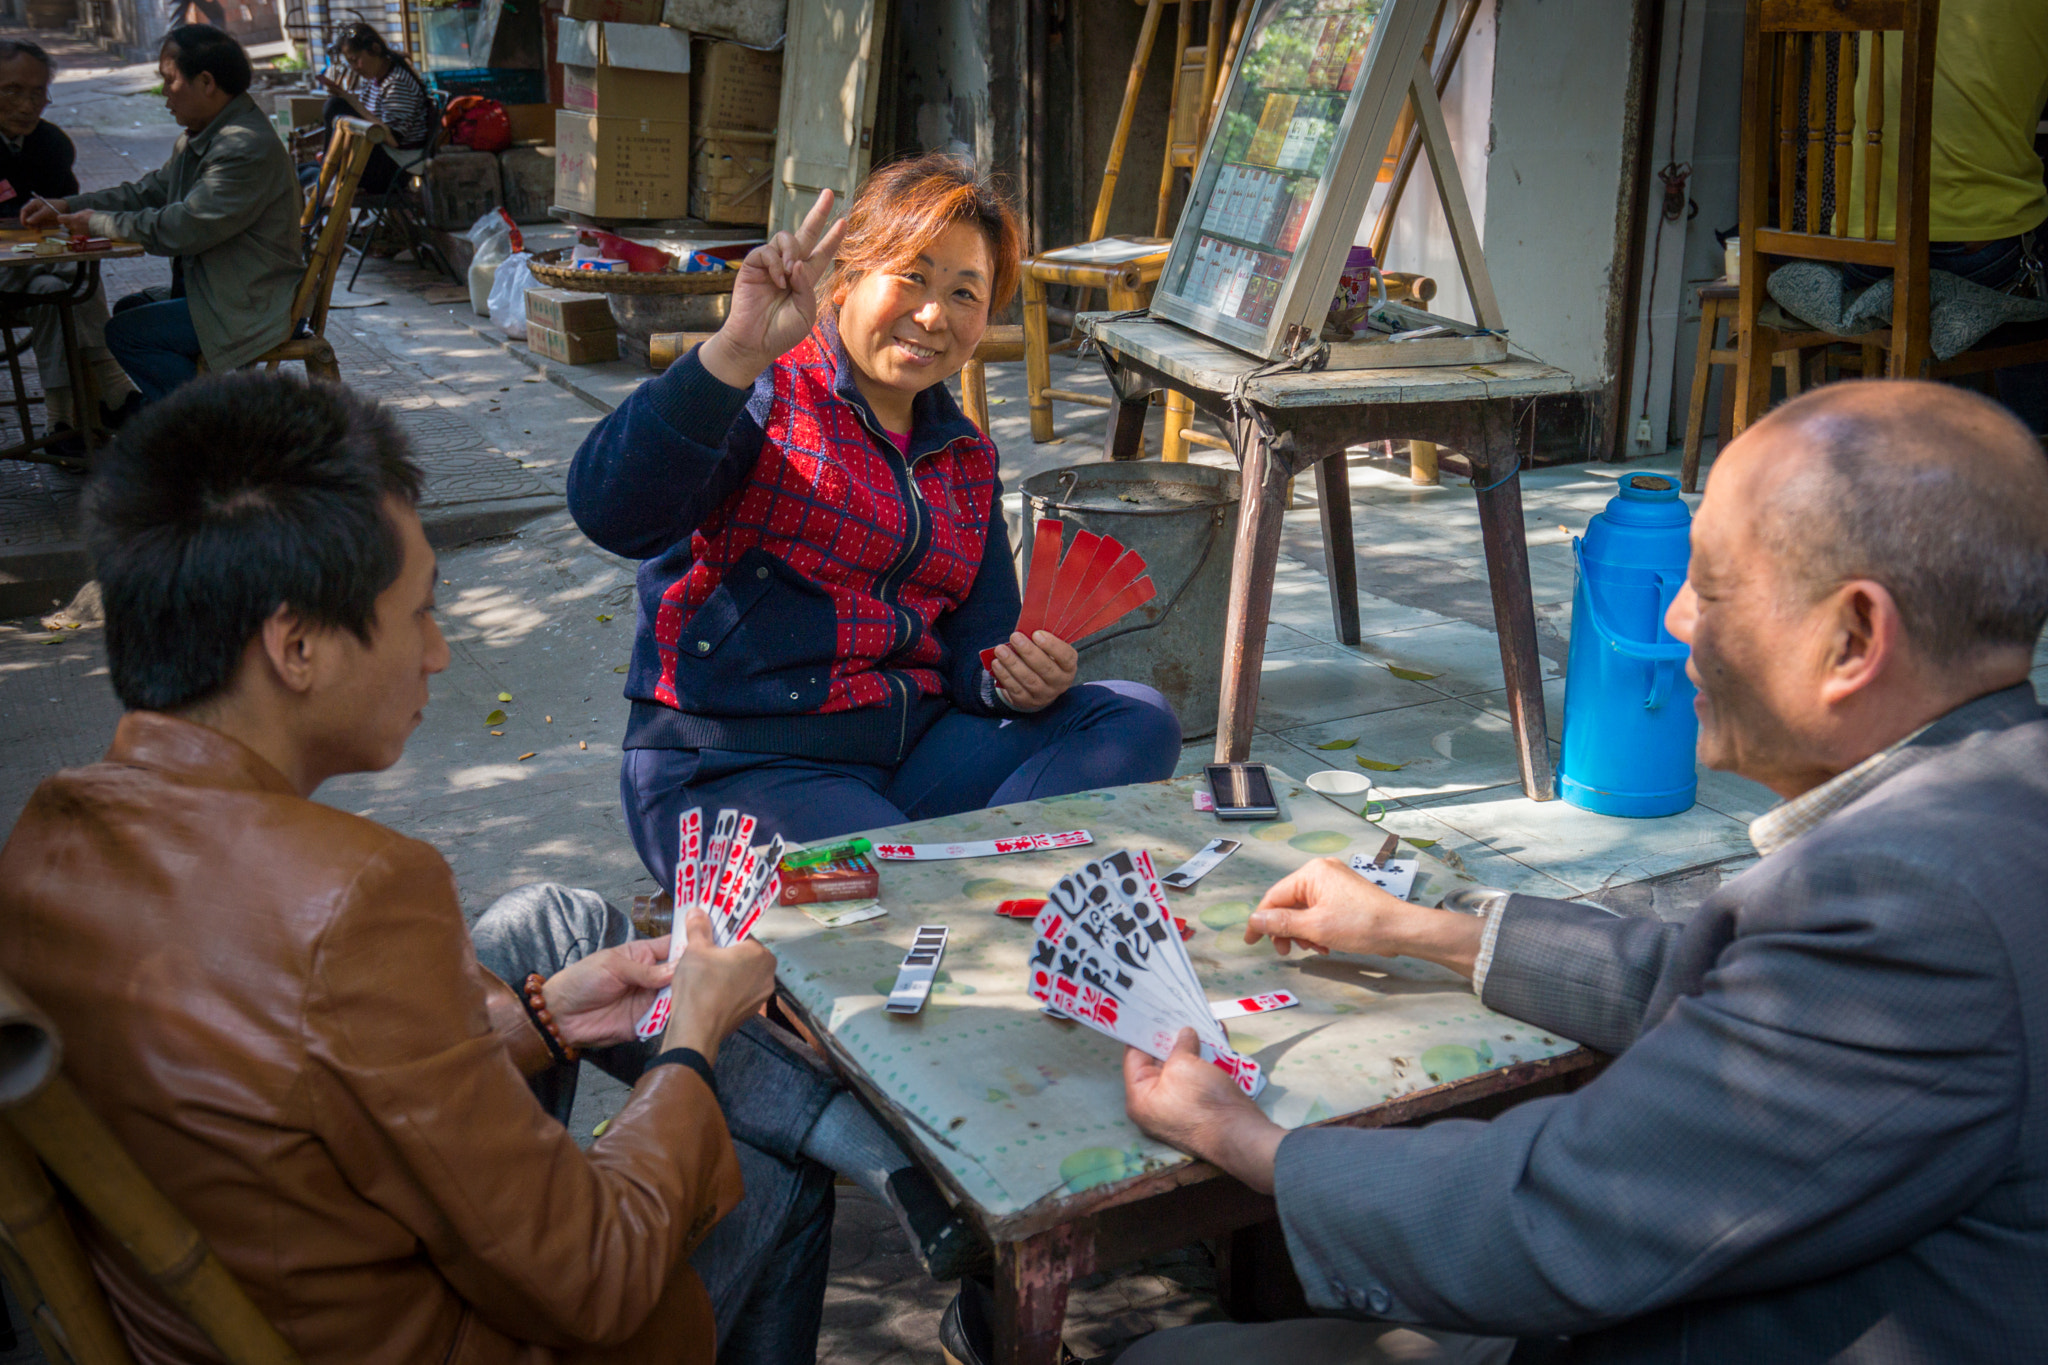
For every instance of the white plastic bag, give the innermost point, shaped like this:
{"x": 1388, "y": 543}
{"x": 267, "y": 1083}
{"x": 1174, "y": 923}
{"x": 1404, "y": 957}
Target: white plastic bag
{"x": 491, "y": 224}
{"x": 483, "y": 268}
{"x": 508, "y": 294}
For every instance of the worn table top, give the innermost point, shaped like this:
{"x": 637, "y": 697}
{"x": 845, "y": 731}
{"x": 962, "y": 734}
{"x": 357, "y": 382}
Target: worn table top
{"x": 12, "y": 237}
{"x": 1016, "y": 1109}
{"x": 1201, "y": 364}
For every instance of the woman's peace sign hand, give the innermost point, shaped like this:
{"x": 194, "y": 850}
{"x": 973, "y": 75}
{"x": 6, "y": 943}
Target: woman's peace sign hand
{"x": 775, "y": 298}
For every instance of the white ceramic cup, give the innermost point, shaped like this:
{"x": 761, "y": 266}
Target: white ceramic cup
{"x": 1340, "y": 782}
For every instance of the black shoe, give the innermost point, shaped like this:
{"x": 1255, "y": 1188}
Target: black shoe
{"x": 965, "y": 1336}
{"x": 69, "y": 447}
{"x": 113, "y": 419}
{"x": 943, "y": 1239}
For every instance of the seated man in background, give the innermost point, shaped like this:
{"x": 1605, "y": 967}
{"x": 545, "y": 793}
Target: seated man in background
{"x": 224, "y": 208}
{"x": 274, "y": 1003}
{"x": 36, "y": 161}
{"x": 1821, "y": 1136}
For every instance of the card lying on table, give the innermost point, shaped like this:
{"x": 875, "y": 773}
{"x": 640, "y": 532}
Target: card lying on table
{"x": 729, "y": 879}
{"x": 1097, "y": 584}
{"x": 1109, "y": 955}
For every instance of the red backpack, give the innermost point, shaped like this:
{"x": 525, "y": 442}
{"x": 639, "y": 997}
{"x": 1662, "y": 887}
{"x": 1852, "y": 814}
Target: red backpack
{"x": 478, "y": 123}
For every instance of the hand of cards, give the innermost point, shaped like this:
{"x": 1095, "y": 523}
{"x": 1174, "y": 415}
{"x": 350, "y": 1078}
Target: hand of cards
{"x": 729, "y": 879}
{"x": 1095, "y": 586}
{"x": 1108, "y": 955}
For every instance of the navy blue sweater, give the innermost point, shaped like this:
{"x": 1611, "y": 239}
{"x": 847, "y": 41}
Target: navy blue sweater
{"x": 804, "y": 588}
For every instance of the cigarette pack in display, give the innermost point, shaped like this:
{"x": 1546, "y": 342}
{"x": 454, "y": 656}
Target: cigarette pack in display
{"x": 1241, "y": 278}
{"x": 1214, "y": 214}
{"x": 1270, "y": 196}
{"x": 1201, "y": 276}
{"x": 843, "y": 879}
{"x": 1274, "y": 122}
{"x": 1240, "y": 191}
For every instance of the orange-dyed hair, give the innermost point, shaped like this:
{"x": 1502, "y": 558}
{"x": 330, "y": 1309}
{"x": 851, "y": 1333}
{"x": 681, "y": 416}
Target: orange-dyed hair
{"x": 907, "y": 205}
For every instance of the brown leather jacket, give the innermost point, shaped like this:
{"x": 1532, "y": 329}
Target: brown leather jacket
{"x": 276, "y": 1006}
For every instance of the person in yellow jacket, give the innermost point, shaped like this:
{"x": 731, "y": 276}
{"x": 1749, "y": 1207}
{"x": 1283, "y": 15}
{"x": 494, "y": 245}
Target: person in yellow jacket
{"x": 1988, "y": 198}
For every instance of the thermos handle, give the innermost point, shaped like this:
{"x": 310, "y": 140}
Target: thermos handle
{"x": 1667, "y": 657}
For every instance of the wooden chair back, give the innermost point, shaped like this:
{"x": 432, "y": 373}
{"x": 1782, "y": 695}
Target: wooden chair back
{"x": 348, "y": 155}
{"x": 1800, "y": 150}
{"x": 50, "y": 1139}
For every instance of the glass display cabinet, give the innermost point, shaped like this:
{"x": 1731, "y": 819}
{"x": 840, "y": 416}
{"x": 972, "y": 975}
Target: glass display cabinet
{"x": 1315, "y": 93}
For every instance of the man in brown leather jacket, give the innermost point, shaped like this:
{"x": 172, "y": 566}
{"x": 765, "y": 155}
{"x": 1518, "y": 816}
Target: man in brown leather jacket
{"x": 275, "y": 1004}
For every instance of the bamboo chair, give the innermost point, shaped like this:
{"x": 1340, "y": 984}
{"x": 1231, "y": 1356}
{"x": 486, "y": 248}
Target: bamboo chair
{"x": 340, "y": 172}
{"x": 1783, "y": 40}
{"x": 1129, "y": 284}
{"x": 50, "y": 1140}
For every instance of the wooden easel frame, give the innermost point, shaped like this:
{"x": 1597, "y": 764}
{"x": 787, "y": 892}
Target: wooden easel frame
{"x": 1364, "y": 132}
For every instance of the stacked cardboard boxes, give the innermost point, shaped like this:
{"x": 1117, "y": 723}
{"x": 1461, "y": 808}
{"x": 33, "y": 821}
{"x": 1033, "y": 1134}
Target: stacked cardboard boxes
{"x": 570, "y": 326}
{"x": 735, "y": 100}
{"x": 622, "y": 138}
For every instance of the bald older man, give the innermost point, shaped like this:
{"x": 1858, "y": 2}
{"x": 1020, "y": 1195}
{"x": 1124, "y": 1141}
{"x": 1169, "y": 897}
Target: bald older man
{"x": 1824, "y": 1134}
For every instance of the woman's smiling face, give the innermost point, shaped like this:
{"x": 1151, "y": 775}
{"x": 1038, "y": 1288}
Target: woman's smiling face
{"x": 917, "y": 323}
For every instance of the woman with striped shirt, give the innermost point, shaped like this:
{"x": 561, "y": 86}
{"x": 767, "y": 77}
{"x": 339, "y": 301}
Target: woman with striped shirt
{"x": 388, "y": 91}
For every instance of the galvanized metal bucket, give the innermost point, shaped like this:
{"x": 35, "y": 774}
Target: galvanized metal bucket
{"x": 1183, "y": 519}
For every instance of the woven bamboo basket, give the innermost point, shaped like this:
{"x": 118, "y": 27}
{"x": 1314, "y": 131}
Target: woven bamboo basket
{"x": 549, "y": 269}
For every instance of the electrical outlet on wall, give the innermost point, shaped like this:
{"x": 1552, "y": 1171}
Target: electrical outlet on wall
{"x": 1642, "y": 431}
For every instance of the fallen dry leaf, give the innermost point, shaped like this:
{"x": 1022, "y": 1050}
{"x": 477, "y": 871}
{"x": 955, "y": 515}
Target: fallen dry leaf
{"x": 1338, "y": 744}
{"x": 1411, "y": 675}
{"x": 504, "y": 696}
{"x": 1379, "y": 767}
{"x": 524, "y": 757}
{"x": 495, "y": 718}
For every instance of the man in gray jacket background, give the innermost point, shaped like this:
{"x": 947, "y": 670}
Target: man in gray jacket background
{"x": 1824, "y": 1134}
{"x": 224, "y": 208}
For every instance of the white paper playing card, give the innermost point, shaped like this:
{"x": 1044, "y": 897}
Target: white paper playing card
{"x": 1397, "y": 878}
{"x": 731, "y": 881}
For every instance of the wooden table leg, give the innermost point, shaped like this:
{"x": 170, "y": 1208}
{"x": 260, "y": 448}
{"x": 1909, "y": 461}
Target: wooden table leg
{"x": 1031, "y": 1296}
{"x": 1340, "y": 554}
{"x": 1251, "y": 597}
{"x": 1123, "y": 435}
{"x": 1514, "y": 609}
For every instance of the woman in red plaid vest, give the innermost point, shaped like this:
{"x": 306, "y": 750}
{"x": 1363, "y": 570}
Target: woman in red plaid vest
{"x": 823, "y": 550}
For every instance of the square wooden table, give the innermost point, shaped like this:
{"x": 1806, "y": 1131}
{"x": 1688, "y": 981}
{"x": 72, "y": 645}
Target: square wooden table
{"x": 1283, "y": 423}
{"x": 1022, "y": 1118}
{"x": 15, "y": 304}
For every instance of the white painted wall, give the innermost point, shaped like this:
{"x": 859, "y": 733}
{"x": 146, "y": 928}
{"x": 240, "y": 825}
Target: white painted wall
{"x": 1553, "y": 177}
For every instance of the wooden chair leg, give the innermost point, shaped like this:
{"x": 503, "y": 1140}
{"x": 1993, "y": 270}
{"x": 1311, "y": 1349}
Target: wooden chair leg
{"x": 1755, "y": 347}
{"x": 1696, "y": 408}
{"x": 1037, "y": 359}
{"x": 1422, "y": 470}
{"x": 974, "y": 394}
{"x": 1180, "y": 410}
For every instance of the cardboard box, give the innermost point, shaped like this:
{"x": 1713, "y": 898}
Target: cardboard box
{"x": 304, "y": 110}
{"x": 615, "y": 11}
{"x": 625, "y": 92}
{"x": 572, "y": 348}
{"x": 532, "y": 122}
{"x": 734, "y": 88}
{"x": 621, "y": 168}
{"x": 644, "y": 47}
{"x": 569, "y": 310}
{"x": 732, "y": 179}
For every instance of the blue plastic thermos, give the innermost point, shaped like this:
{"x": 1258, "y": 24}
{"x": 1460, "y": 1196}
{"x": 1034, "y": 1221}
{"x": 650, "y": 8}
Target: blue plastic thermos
{"x": 1629, "y": 727}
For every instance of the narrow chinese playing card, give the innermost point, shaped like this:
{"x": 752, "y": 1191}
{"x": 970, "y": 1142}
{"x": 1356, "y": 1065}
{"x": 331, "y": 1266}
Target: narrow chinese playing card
{"x": 1093, "y": 586}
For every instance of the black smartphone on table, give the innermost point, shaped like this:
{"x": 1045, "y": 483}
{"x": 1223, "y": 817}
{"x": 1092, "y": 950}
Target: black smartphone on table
{"x": 1241, "y": 791}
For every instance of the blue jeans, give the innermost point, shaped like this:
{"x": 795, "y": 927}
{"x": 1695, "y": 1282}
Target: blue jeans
{"x": 1996, "y": 264}
{"x": 1104, "y": 734}
{"x": 765, "y": 1263}
{"x": 154, "y": 342}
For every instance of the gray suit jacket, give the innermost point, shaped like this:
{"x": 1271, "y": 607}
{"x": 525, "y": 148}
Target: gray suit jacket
{"x": 1824, "y": 1136}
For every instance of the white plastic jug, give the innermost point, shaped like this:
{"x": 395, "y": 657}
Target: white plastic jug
{"x": 482, "y": 274}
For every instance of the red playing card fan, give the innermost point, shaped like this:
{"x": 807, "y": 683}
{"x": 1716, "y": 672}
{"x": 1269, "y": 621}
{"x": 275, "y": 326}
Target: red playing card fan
{"x": 1096, "y": 584}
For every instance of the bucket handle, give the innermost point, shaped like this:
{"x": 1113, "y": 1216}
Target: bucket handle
{"x": 1208, "y": 546}
{"x": 1667, "y": 657}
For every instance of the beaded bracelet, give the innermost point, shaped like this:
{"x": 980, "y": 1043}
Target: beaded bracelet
{"x": 537, "y": 1010}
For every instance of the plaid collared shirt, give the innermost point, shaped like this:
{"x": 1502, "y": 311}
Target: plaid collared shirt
{"x": 1783, "y": 823}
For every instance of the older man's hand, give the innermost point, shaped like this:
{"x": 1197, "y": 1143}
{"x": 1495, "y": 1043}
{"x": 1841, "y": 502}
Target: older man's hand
{"x": 1192, "y": 1105}
{"x": 1326, "y": 907}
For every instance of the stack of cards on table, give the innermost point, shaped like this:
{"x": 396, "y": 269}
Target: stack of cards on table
{"x": 1095, "y": 586}
{"x": 1107, "y": 955}
{"x": 727, "y": 878}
